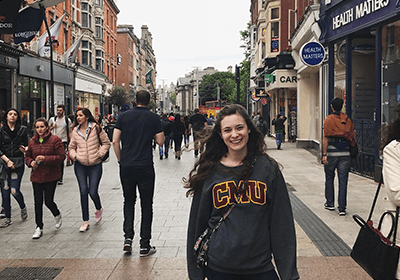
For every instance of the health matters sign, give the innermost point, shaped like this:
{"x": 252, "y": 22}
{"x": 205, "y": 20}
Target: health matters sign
{"x": 340, "y": 18}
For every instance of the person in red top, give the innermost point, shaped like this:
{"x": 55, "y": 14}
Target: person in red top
{"x": 44, "y": 154}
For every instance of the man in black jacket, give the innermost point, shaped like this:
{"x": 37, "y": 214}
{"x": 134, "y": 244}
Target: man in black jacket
{"x": 279, "y": 129}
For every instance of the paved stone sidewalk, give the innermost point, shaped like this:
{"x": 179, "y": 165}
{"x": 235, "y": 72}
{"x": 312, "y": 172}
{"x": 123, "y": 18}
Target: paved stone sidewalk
{"x": 97, "y": 254}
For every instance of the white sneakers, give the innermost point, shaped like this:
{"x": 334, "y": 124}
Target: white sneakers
{"x": 38, "y": 233}
{"x": 58, "y": 221}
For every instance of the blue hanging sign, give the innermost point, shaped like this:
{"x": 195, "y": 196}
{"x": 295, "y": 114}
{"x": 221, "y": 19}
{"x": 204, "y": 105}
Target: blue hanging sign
{"x": 312, "y": 53}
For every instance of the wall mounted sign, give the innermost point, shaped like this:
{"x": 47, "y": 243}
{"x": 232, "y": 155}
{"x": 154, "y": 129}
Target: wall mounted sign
{"x": 312, "y": 53}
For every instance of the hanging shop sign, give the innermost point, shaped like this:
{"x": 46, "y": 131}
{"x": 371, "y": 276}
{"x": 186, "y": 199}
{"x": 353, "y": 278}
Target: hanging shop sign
{"x": 312, "y": 53}
{"x": 283, "y": 78}
{"x": 341, "y": 18}
{"x": 254, "y": 97}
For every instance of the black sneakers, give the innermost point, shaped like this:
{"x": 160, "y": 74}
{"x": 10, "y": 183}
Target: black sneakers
{"x": 128, "y": 245}
{"x": 144, "y": 252}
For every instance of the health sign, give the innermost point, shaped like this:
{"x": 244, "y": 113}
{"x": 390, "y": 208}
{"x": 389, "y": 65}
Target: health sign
{"x": 312, "y": 53}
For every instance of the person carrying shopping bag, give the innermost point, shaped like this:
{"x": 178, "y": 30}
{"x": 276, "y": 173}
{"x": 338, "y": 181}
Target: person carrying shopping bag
{"x": 44, "y": 154}
{"x": 88, "y": 145}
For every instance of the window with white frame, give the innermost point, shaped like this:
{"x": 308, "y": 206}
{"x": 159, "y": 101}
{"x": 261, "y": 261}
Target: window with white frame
{"x": 99, "y": 34}
{"x": 86, "y": 15}
{"x": 86, "y": 53}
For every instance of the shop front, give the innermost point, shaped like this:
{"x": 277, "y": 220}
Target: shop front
{"x": 282, "y": 89}
{"x": 8, "y": 71}
{"x": 364, "y": 59}
{"x": 34, "y": 98}
{"x": 89, "y": 90}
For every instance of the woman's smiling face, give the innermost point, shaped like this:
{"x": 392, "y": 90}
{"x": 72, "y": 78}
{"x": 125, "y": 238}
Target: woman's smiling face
{"x": 235, "y": 133}
{"x": 80, "y": 117}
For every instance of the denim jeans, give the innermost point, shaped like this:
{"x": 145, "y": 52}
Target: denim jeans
{"x": 279, "y": 137}
{"x": 46, "y": 190}
{"x": 186, "y": 138}
{"x": 342, "y": 165}
{"x": 12, "y": 186}
{"x": 215, "y": 275}
{"x": 143, "y": 178}
{"x": 166, "y": 147}
{"x": 88, "y": 179}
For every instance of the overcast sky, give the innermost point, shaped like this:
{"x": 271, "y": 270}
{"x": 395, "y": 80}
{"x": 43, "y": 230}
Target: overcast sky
{"x": 189, "y": 33}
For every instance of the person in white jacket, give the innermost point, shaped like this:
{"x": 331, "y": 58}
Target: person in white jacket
{"x": 391, "y": 173}
{"x": 89, "y": 143}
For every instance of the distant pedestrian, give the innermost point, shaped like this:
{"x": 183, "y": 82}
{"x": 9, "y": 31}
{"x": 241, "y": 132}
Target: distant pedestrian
{"x": 236, "y": 180}
{"x": 61, "y": 126}
{"x": 338, "y": 135}
{"x": 135, "y": 129}
{"x": 13, "y": 142}
{"x": 187, "y": 131}
{"x": 89, "y": 143}
{"x": 262, "y": 125}
{"x": 279, "y": 123}
{"x": 167, "y": 128}
{"x": 44, "y": 154}
{"x": 198, "y": 123}
{"x": 178, "y": 130}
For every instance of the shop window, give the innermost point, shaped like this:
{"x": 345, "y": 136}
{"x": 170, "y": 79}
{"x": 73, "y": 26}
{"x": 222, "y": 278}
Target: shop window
{"x": 391, "y": 67}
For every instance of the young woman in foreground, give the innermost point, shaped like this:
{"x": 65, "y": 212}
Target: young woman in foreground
{"x": 234, "y": 169}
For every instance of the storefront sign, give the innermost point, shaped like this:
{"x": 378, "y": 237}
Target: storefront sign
{"x": 254, "y": 97}
{"x": 338, "y": 20}
{"x": 260, "y": 92}
{"x": 8, "y": 14}
{"x": 312, "y": 53}
{"x": 283, "y": 79}
{"x": 8, "y": 62}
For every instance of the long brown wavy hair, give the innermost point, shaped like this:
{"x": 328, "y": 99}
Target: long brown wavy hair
{"x": 215, "y": 149}
{"x": 392, "y": 130}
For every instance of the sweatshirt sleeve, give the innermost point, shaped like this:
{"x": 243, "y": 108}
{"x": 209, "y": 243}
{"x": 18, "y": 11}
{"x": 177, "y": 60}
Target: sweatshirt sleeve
{"x": 390, "y": 171}
{"x": 194, "y": 272}
{"x": 282, "y": 230}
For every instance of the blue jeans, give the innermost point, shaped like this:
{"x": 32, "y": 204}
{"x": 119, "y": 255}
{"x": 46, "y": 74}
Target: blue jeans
{"x": 215, "y": 275}
{"x": 186, "y": 138}
{"x": 342, "y": 165}
{"x": 12, "y": 186}
{"x": 279, "y": 137}
{"x": 166, "y": 147}
{"x": 88, "y": 179}
{"x": 143, "y": 178}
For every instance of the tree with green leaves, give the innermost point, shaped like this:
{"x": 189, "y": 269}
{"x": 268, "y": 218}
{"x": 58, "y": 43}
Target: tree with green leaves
{"x": 209, "y": 86}
{"x": 245, "y": 38}
{"x": 117, "y": 96}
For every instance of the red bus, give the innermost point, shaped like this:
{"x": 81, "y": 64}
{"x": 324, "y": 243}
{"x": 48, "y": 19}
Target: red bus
{"x": 211, "y": 107}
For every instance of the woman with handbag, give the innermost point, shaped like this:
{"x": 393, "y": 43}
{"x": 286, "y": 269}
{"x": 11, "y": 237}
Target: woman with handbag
{"x": 241, "y": 224}
{"x": 88, "y": 145}
{"x": 13, "y": 140}
{"x": 391, "y": 174}
{"x": 44, "y": 154}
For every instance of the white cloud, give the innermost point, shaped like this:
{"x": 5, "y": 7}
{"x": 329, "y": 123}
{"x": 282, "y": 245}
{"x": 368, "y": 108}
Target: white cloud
{"x": 189, "y": 33}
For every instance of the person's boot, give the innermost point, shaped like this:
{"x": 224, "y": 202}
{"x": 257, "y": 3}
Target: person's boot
{"x": 279, "y": 146}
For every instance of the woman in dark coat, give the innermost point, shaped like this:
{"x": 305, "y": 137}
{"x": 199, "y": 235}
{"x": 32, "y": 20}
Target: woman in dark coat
{"x": 44, "y": 154}
{"x": 178, "y": 130}
{"x": 13, "y": 140}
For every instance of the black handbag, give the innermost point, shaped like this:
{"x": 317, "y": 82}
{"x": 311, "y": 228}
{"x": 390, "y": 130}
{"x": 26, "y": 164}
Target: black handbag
{"x": 353, "y": 151}
{"x": 105, "y": 158}
{"x": 375, "y": 253}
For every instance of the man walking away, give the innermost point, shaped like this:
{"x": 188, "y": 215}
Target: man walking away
{"x": 135, "y": 129}
{"x": 338, "y": 135}
{"x": 61, "y": 126}
{"x": 279, "y": 129}
{"x": 198, "y": 123}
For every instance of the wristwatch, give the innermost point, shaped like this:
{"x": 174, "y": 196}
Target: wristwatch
{"x": 324, "y": 155}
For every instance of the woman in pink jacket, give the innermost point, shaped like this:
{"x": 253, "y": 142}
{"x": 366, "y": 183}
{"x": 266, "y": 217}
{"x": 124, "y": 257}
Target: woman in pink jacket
{"x": 88, "y": 144}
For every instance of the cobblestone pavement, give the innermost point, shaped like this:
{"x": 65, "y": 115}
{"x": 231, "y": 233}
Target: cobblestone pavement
{"x": 97, "y": 253}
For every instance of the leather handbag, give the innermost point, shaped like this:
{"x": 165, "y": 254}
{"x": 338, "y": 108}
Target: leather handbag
{"x": 373, "y": 251}
{"x": 106, "y": 157}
